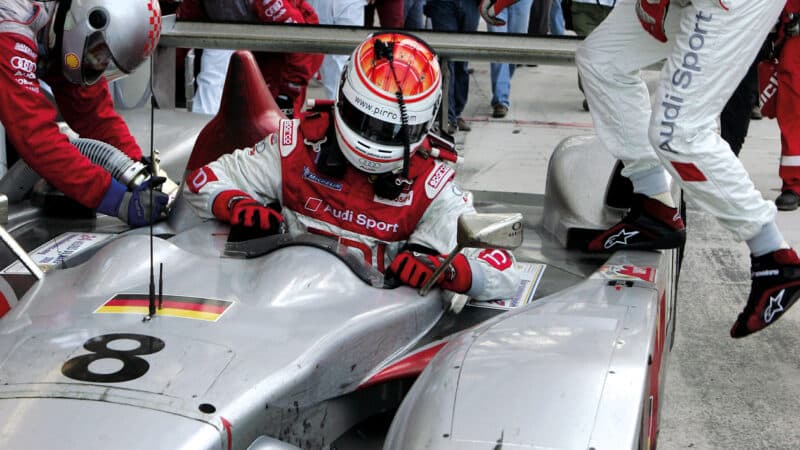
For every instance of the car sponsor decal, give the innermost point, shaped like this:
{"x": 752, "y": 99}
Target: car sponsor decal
{"x": 626, "y": 272}
{"x": 530, "y": 275}
{"x": 196, "y": 308}
{"x": 54, "y": 252}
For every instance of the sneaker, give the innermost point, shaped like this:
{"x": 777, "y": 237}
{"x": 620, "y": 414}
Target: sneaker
{"x": 462, "y": 125}
{"x": 789, "y": 200}
{"x": 499, "y": 110}
{"x": 775, "y": 288}
{"x": 650, "y": 225}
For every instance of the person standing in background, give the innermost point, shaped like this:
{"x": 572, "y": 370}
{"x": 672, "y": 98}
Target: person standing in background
{"x": 734, "y": 121}
{"x": 586, "y": 16}
{"x": 788, "y": 105}
{"x": 461, "y": 16}
{"x": 557, "y": 23}
{"x": 390, "y": 13}
{"x": 516, "y": 18}
{"x": 412, "y": 11}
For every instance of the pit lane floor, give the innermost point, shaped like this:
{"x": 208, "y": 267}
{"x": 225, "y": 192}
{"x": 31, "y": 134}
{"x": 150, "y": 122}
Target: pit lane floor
{"x": 720, "y": 393}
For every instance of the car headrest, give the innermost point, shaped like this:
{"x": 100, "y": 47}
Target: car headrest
{"x": 247, "y": 113}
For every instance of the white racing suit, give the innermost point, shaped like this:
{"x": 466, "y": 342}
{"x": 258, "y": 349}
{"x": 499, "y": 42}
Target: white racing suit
{"x": 282, "y": 169}
{"x": 710, "y": 46}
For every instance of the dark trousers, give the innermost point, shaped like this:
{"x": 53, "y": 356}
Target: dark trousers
{"x": 735, "y": 117}
{"x": 455, "y": 15}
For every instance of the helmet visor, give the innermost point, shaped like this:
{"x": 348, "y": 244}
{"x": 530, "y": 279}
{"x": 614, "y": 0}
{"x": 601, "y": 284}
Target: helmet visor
{"x": 96, "y": 58}
{"x": 377, "y": 130}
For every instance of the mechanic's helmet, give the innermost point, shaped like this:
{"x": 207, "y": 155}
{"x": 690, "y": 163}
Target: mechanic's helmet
{"x": 92, "y": 34}
{"x": 369, "y": 111}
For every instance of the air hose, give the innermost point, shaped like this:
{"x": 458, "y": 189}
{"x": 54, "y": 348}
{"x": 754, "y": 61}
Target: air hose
{"x": 20, "y": 178}
{"x": 125, "y": 170}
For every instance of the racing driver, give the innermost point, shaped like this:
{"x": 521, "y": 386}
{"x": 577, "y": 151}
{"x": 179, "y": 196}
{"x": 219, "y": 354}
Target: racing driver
{"x": 69, "y": 45}
{"x": 708, "y": 45}
{"x": 363, "y": 170}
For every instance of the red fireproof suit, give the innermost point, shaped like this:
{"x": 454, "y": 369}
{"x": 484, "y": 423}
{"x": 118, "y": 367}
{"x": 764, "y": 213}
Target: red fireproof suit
{"x": 30, "y": 118}
{"x": 788, "y": 105}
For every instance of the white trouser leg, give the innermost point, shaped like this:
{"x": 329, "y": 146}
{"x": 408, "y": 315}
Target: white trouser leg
{"x": 211, "y": 80}
{"x": 609, "y": 60}
{"x": 710, "y": 54}
{"x": 708, "y": 46}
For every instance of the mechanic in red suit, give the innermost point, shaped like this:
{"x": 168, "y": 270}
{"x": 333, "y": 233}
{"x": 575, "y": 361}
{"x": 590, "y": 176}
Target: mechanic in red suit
{"x": 34, "y": 44}
{"x": 363, "y": 171}
{"x": 788, "y": 105}
{"x": 287, "y": 74}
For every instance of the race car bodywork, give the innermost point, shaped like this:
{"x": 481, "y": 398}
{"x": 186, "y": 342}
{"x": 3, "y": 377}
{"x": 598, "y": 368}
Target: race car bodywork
{"x": 296, "y": 345}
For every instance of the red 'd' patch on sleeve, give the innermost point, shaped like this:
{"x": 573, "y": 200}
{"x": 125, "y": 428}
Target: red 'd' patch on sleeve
{"x": 499, "y": 259}
{"x": 199, "y": 178}
{"x": 688, "y": 171}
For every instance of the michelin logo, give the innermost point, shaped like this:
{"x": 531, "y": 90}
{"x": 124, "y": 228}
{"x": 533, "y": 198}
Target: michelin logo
{"x": 314, "y": 178}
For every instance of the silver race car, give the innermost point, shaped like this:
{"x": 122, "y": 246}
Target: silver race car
{"x": 185, "y": 339}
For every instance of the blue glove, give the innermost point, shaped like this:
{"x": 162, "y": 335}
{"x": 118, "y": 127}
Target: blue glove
{"x": 135, "y": 207}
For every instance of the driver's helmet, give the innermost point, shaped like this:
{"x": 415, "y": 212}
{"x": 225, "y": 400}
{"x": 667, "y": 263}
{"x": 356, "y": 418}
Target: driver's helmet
{"x": 97, "y": 33}
{"x": 368, "y": 115}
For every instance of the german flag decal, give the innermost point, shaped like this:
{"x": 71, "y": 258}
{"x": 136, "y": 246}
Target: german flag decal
{"x": 172, "y": 305}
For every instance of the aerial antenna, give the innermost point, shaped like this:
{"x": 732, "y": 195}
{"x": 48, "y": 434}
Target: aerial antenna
{"x": 151, "y": 306}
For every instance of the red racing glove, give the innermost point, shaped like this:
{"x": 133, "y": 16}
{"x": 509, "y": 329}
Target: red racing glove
{"x": 250, "y": 213}
{"x": 491, "y": 8}
{"x": 652, "y": 14}
{"x": 414, "y": 269}
{"x": 238, "y": 208}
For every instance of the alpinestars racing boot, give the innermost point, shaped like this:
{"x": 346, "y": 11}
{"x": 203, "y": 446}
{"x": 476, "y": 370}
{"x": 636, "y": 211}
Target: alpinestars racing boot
{"x": 650, "y": 225}
{"x": 775, "y": 288}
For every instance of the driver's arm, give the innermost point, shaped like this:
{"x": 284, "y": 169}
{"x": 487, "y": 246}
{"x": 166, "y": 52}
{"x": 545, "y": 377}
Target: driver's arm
{"x": 494, "y": 274}
{"x": 246, "y": 174}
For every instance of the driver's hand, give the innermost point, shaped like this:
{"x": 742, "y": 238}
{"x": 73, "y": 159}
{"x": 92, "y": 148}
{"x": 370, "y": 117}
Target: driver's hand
{"x": 414, "y": 269}
{"x": 250, "y": 213}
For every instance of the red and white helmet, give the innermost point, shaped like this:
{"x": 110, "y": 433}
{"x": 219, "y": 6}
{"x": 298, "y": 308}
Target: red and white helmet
{"x": 368, "y": 114}
{"x": 91, "y": 34}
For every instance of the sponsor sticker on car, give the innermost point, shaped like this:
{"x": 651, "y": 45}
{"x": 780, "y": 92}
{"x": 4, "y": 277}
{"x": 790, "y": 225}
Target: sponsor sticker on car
{"x": 54, "y": 252}
{"x": 626, "y": 272}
